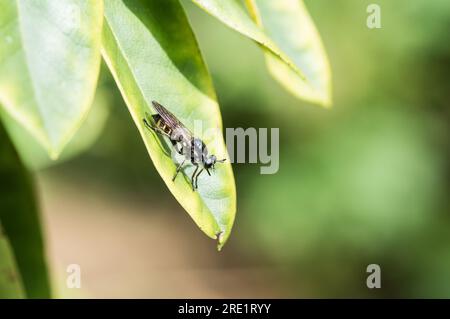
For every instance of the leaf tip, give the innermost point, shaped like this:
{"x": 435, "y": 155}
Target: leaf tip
{"x": 54, "y": 154}
{"x": 221, "y": 240}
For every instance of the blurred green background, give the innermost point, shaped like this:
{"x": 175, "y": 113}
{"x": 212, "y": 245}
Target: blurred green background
{"x": 365, "y": 182}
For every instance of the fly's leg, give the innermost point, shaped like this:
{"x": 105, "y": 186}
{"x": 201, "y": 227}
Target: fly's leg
{"x": 193, "y": 177}
{"x": 178, "y": 170}
{"x": 196, "y": 178}
{"x": 179, "y": 148}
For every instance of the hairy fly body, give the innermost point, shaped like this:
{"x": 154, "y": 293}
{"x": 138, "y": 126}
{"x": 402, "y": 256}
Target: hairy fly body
{"x": 193, "y": 149}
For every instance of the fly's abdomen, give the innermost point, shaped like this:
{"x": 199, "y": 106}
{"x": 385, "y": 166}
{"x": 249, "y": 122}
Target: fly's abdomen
{"x": 161, "y": 124}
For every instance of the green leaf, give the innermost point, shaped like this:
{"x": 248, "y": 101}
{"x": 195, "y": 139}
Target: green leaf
{"x": 10, "y": 283}
{"x": 289, "y": 24}
{"x": 295, "y": 56}
{"x": 35, "y": 157}
{"x": 153, "y": 55}
{"x": 20, "y": 219}
{"x": 49, "y": 64}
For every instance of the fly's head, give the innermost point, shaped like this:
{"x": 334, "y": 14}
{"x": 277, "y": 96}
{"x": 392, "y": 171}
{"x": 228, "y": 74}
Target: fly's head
{"x": 210, "y": 162}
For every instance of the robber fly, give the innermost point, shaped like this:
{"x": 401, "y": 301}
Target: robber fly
{"x": 193, "y": 149}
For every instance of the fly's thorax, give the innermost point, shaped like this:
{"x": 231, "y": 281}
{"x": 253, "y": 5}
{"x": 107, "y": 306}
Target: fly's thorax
{"x": 199, "y": 151}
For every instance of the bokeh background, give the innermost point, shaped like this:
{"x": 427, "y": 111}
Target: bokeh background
{"x": 365, "y": 182}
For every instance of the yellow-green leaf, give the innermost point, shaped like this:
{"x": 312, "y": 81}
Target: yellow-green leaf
{"x": 10, "y": 282}
{"x": 294, "y": 52}
{"x": 49, "y": 64}
{"x": 289, "y": 24}
{"x": 19, "y": 217}
{"x": 35, "y": 157}
{"x": 153, "y": 55}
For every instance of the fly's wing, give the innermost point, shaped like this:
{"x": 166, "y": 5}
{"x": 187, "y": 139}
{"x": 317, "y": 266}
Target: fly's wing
{"x": 178, "y": 128}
